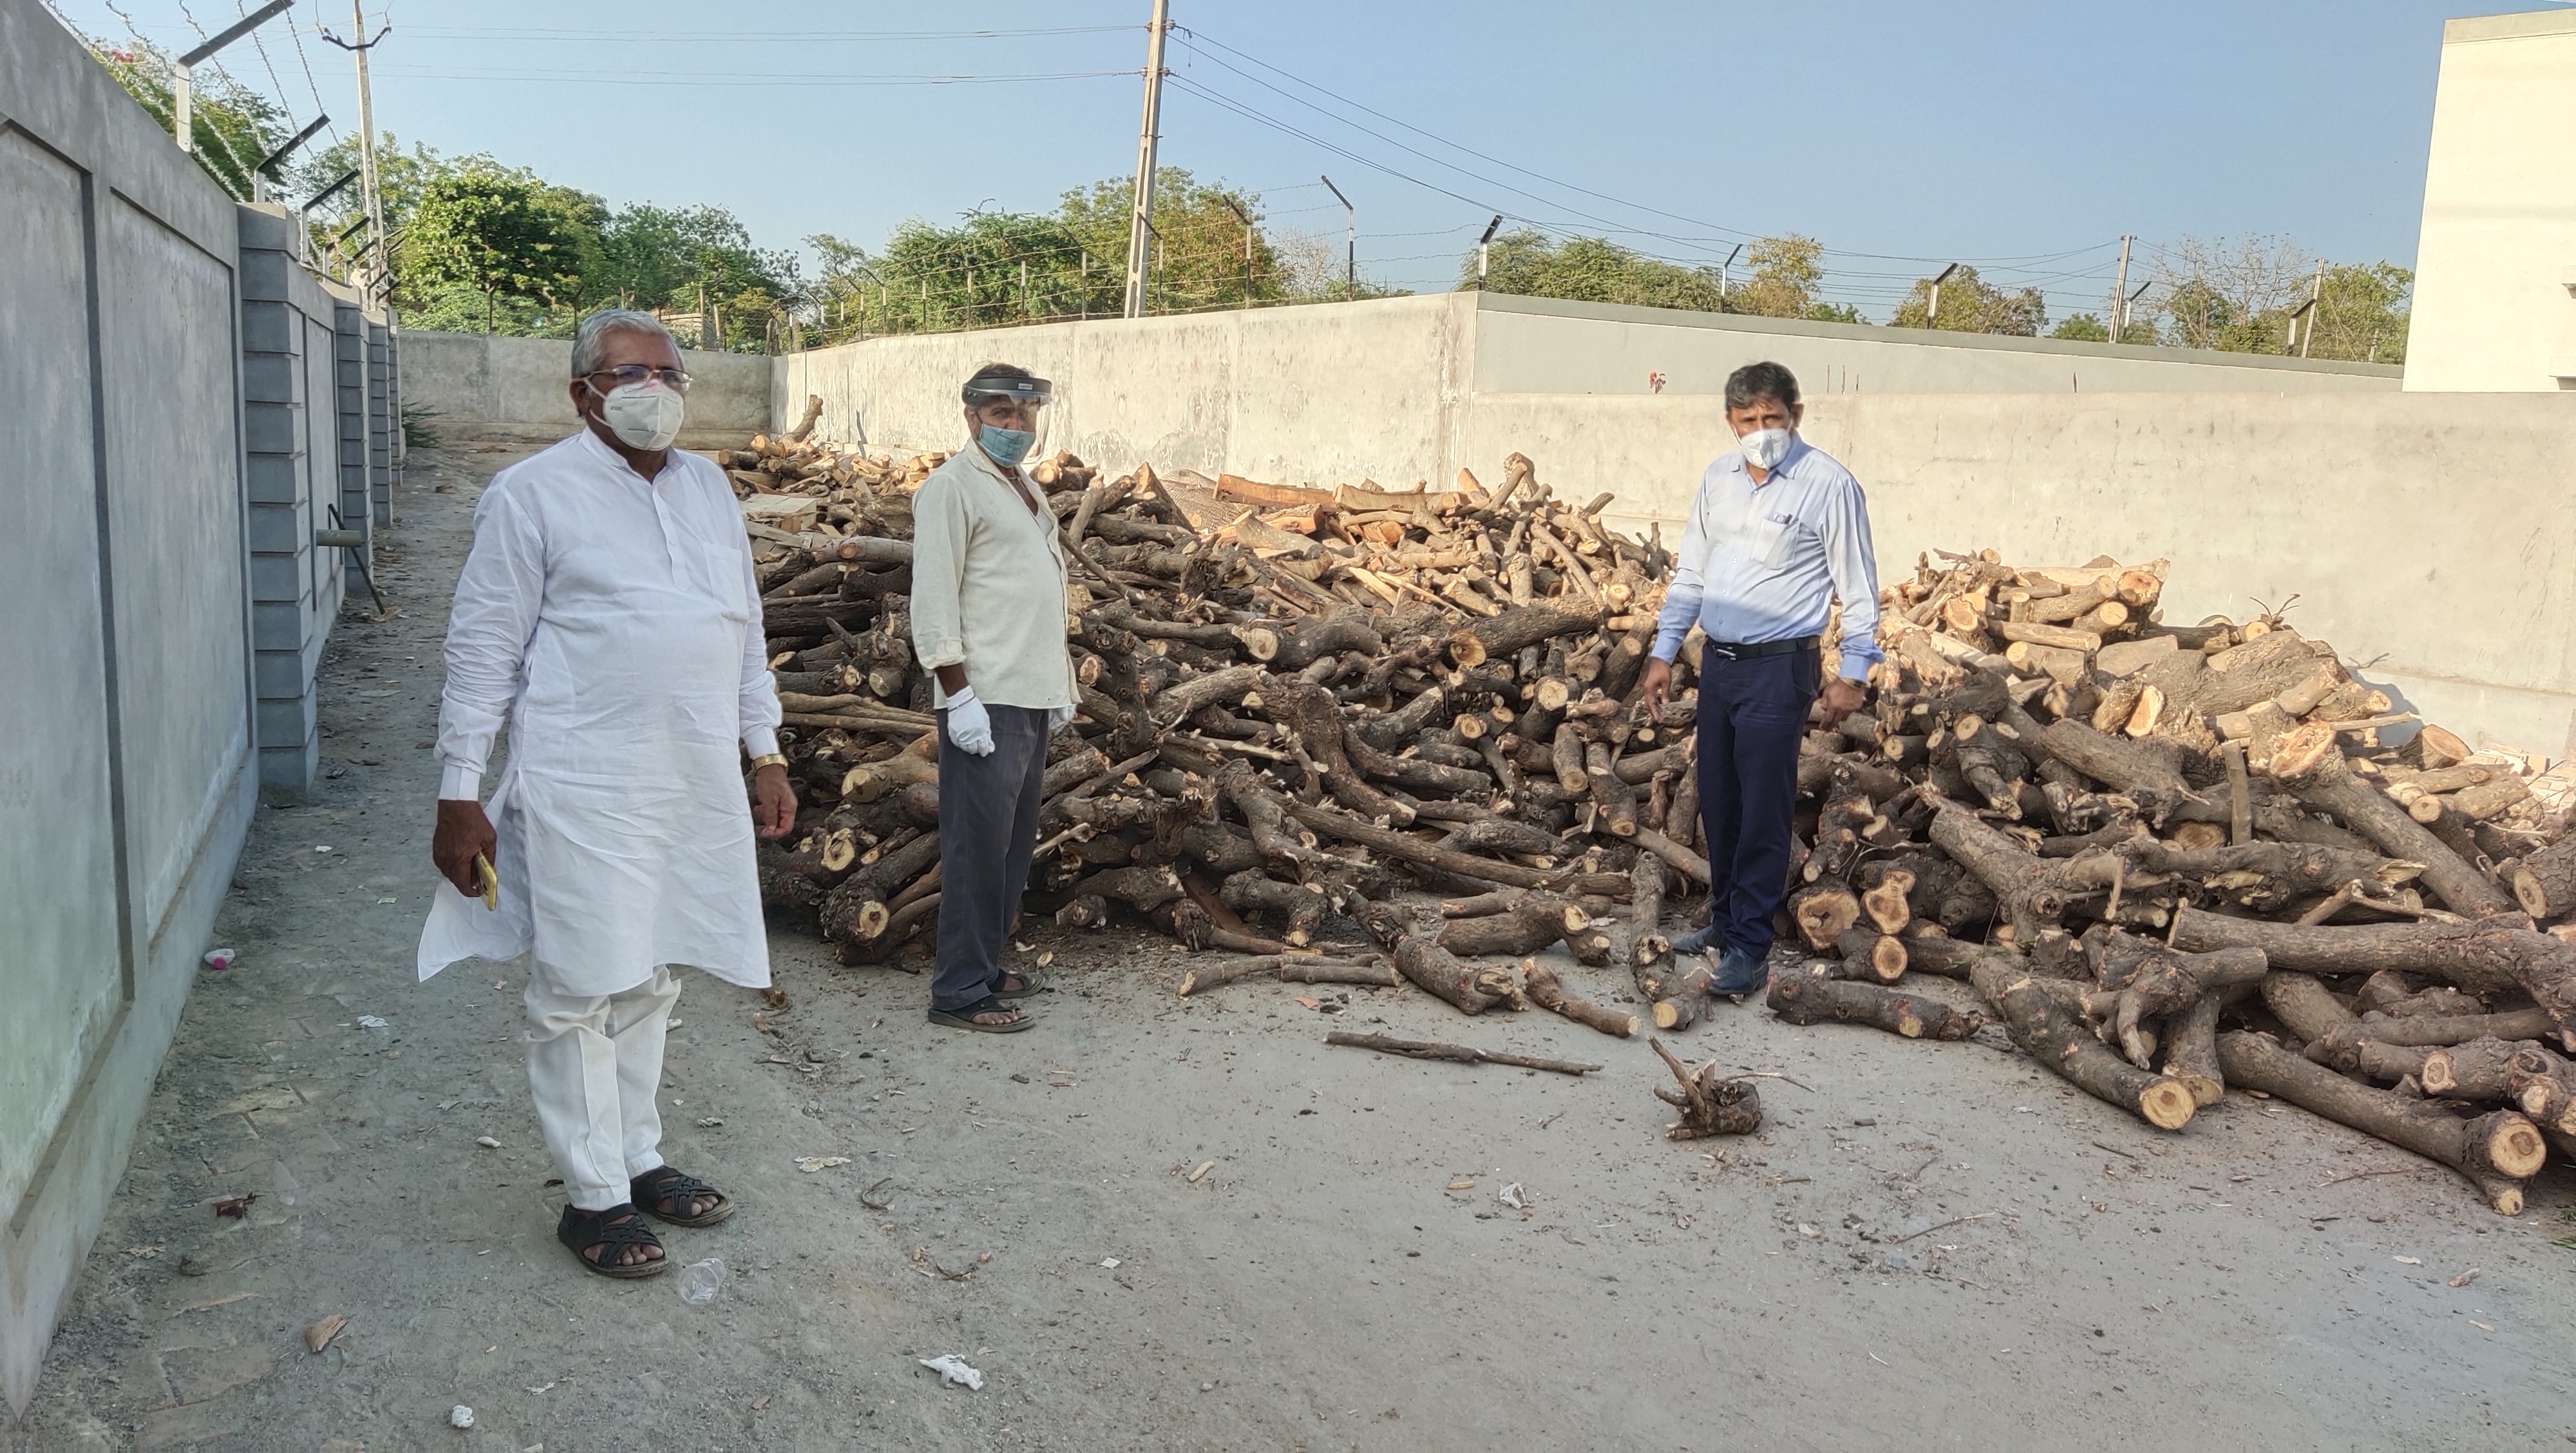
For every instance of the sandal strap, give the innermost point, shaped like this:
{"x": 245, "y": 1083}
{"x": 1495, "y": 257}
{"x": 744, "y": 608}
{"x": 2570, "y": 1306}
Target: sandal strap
{"x": 989, "y": 1004}
{"x": 662, "y": 1186}
{"x": 614, "y": 1229}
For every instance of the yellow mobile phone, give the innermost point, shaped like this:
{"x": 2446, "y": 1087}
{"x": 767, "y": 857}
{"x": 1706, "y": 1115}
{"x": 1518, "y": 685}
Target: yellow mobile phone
{"x": 488, "y": 881}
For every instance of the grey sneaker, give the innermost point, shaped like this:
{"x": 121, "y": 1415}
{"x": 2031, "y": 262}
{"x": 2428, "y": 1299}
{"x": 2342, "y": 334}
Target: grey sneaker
{"x": 1701, "y": 940}
{"x": 1739, "y": 974}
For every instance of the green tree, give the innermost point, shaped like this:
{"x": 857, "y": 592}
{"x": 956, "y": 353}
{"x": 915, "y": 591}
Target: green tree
{"x": 230, "y": 126}
{"x": 498, "y": 232}
{"x": 1197, "y": 251}
{"x": 1970, "y": 304}
{"x": 1786, "y": 273}
{"x": 2082, "y": 328}
{"x": 1592, "y": 270}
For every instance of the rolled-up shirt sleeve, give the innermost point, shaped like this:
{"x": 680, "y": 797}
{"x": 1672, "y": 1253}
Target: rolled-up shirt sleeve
{"x": 498, "y": 596}
{"x": 1850, "y": 559}
{"x": 759, "y": 695}
{"x": 940, "y": 529}
{"x": 1682, "y": 595}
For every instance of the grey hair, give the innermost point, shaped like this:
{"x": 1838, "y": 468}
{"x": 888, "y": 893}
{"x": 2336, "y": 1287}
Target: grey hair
{"x": 588, "y": 340}
{"x": 1755, "y": 382}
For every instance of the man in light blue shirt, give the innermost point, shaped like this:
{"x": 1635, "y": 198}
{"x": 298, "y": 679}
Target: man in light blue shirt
{"x": 1778, "y": 531}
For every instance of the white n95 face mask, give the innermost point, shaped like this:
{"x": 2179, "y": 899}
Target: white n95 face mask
{"x": 1765, "y": 448}
{"x": 643, "y": 415}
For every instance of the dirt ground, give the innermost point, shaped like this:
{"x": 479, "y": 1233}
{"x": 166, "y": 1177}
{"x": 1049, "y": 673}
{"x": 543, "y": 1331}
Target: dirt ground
{"x": 1158, "y": 1223}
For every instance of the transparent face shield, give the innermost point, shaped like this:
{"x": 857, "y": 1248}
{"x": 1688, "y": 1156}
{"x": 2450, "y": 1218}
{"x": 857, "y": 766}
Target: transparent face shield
{"x": 1014, "y": 404}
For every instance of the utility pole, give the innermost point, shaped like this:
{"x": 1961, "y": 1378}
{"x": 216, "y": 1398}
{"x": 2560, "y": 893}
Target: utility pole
{"x": 1351, "y": 242}
{"x": 1246, "y": 219}
{"x": 2316, "y": 296}
{"x": 1932, "y": 314}
{"x": 2120, "y": 295}
{"x": 1724, "y": 270}
{"x": 368, "y": 178}
{"x": 1140, "y": 220}
{"x": 1484, "y": 250}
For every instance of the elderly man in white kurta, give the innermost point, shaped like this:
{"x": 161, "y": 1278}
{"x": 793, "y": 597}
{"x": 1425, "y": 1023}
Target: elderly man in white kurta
{"x": 609, "y": 615}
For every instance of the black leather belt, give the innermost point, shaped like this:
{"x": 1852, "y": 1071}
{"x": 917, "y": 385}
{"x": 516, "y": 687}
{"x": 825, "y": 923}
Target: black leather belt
{"x": 1733, "y": 651}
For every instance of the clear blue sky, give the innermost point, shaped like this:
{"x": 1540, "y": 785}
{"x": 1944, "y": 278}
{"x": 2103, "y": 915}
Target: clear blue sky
{"x": 1899, "y": 134}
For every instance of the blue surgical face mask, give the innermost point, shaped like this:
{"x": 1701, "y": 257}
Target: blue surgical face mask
{"x": 1006, "y": 447}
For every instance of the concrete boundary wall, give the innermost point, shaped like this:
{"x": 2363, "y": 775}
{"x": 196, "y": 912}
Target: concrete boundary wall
{"x": 2428, "y": 536}
{"x": 126, "y": 691}
{"x": 500, "y": 387}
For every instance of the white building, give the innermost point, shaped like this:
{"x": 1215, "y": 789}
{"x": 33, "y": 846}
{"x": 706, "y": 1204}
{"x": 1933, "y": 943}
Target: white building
{"x": 2495, "y": 271}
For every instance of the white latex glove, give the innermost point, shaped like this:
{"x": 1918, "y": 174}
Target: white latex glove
{"x": 1057, "y": 716}
{"x": 969, "y": 725}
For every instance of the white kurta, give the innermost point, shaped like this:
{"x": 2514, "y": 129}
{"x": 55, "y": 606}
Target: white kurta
{"x": 615, "y": 626}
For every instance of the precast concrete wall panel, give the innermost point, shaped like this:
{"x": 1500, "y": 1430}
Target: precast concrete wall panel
{"x": 60, "y": 967}
{"x": 125, "y": 673}
{"x": 1547, "y": 345}
{"x": 175, "y": 517}
{"x": 518, "y": 387}
{"x": 2382, "y": 513}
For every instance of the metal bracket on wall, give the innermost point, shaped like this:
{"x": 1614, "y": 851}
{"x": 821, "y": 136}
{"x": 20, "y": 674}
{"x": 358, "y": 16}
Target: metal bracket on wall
{"x": 341, "y": 538}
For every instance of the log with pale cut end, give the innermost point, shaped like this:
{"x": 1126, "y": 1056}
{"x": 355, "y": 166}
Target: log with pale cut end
{"x": 1869, "y": 955}
{"x": 2061, "y": 637}
{"x": 2166, "y": 980}
{"x": 2544, "y": 1086}
{"x": 2487, "y": 799}
{"x": 1300, "y": 905}
{"x": 2050, "y": 1034}
{"x": 1675, "y": 991}
{"x": 2495, "y": 1151}
{"x": 1928, "y": 950}
{"x": 1088, "y": 910}
{"x": 1709, "y": 1105}
{"x": 1527, "y": 625}
{"x": 2032, "y": 893}
{"x": 1545, "y": 990}
{"x": 1814, "y": 997}
{"x": 2545, "y": 882}
{"x": 2191, "y": 1050}
{"x": 1822, "y": 911}
{"x": 1526, "y": 927}
{"x": 1884, "y": 903}
{"x": 2437, "y": 747}
{"x": 2308, "y": 762}
{"x": 2478, "y": 1069}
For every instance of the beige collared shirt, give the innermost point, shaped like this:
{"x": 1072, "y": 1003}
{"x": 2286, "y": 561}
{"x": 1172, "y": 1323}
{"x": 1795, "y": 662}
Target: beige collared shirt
{"x": 988, "y": 586}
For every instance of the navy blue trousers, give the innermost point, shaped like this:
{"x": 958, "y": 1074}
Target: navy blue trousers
{"x": 1752, "y": 715}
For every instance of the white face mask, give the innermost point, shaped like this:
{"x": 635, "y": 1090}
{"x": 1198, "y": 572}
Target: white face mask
{"x": 643, "y": 415}
{"x": 1765, "y": 448}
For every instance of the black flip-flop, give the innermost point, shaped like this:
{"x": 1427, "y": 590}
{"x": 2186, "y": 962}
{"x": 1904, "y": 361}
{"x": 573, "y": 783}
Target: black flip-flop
{"x": 611, "y": 1232}
{"x": 662, "y": 1186}
{"x": 1029, "y": 984}
{"x": 964, "y": 1018}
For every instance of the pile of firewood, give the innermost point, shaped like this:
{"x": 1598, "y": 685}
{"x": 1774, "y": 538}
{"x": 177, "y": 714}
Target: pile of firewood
{"x": 1294, "y": 703}
{"x": 2173, "y": 859}
{"x": 2167, "y": 859}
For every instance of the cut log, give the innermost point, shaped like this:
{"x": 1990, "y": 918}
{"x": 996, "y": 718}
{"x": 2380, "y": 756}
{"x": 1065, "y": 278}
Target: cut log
{"x": 1540, "y": 983}
{"x": 2302, "y": 1005}
{"x": 2545, "y": 882}
{"x": 2309, "y": 763}
{"x": 2051, "y": 1035}
{"x": 2031, "y": 892}
{"x": 1526, "y": 927}
{"x": 1822, "y": 911}
{"x": 2478, "y": 1069}
{"x": 2481, "y": 957}
{"x": 2191, "y": 1050}
{"x": 2340, "y": 1048}
{"x": 1816, "y": 998}
{"x": 2146, "y": 772}
{"x": 2269, "y": 876}
{"x": 1885, "y": 903}
{"x": 1506, "y": 634}
{"x": 2496, "y": 1151}
{"x": 1870, "y": 955}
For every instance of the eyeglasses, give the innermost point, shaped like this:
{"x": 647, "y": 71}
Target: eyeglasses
{"x": 676, "y": 380}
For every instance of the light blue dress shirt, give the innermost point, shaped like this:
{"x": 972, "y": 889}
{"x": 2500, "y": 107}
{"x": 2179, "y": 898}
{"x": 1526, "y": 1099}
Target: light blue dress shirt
{"x": 1763, "y": 562}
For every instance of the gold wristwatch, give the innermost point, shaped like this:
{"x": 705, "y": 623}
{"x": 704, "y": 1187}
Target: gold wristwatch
{"x": 770, "y": 759}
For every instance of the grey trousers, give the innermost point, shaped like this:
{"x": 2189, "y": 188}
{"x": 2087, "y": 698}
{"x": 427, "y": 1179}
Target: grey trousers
{"x": 988, "y": 827}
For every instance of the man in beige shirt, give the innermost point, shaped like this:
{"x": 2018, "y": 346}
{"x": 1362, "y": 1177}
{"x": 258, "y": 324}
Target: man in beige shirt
{"x": 988, "y": 619}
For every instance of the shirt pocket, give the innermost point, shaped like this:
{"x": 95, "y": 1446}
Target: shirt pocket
{"x": 1771, "y": 539}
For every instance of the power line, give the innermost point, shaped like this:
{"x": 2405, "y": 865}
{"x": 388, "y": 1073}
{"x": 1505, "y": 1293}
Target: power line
{"x": 593, "y": 37}
{"x": 772, "y": 81}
